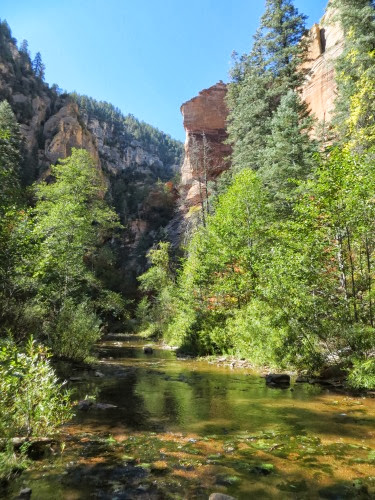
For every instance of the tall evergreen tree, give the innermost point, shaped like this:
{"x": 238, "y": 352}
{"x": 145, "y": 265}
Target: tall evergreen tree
{"x": 38, "y": 66}
{"x": 261, "y": 78}
{"x": 288, "y": 156}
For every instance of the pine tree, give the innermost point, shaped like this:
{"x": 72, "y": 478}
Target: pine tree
{"x": 261, "y": 78}
{"x": 24, "y": 47}
{"x": 38, "y": 66}
{"x": 289, "y": 153}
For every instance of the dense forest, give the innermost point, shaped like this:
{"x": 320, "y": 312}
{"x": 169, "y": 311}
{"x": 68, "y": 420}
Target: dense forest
{"x": 280, "y": 271}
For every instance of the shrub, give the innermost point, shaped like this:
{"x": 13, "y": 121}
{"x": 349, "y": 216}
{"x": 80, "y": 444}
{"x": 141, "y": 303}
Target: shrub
{"x": 253, "y": 334}
{"x": 33, "y": 402}
{"x": 362, "y": 375}
{"x": 11, "y": 462}
{"x": 75, "y": 332}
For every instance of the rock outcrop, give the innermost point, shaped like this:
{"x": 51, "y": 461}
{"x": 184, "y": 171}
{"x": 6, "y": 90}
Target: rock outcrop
{"x": 326, "y": 42}
{"x": 63, "y": 131}
{"x": 206, "y": 154}
{"x": 136, "y": 160}
{"x": 206, "y": 114}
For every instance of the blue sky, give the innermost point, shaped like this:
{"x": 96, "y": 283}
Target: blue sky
{"x": 146, "y": 57}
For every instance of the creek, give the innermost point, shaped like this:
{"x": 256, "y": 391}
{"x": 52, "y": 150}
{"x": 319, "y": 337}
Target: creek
{"x": 159, "y": 427}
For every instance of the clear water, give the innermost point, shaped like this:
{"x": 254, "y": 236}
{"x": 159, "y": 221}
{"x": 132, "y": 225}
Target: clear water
{"x": 186, "y": 428}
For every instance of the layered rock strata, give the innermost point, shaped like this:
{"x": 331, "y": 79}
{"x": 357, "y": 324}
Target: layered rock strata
{"x": 326, "y": 43}
{"x": 206, "y": 154}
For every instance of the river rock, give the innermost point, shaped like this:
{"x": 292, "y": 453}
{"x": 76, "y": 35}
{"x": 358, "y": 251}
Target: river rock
{"x": 85, "y": 404}
{"x": 148, "y": 349}
{"x": 89, "y": 404}
{"x": 220, "y": 496}
{"x": 25, "y": 493}
{"x": 278, "y": 379}
{"x": 104, "y": 406}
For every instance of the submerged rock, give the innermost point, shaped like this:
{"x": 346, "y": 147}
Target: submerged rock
{"x": 263, "y": 469}
{"x": 25, "y": 493}
{"x": 89, "y": 404}
{"x": 220, "y": 496}
{"x": 278, "y": 379}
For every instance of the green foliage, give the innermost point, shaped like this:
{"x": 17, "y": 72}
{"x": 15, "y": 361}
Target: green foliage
{"x": 38, "y": 66}
{"x": 11, "y": 214}
{"x": 74, "y": 331}
{"x": 158, "y": 282}
{"x": 254, "y": 335}
{"x": 33, "y": 402}
{"x": 69, "y": 223}
{"x": 11, "y": 462}
{"x": 358, "y": 21}
{"x": 362, "y": 374}
{"x": 261, "y": 78}
{"x": 71, "y": 218}
{"x": 10, "y": 158}
{"x": 288, "y": 156}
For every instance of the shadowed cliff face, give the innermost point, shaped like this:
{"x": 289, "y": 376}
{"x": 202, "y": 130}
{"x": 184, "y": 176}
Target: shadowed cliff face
{"x": 136, "y": 160}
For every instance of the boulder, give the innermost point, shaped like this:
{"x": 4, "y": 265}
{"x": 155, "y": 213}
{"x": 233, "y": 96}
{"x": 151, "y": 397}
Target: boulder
{"x": 148, "y": 349}
{"x": 25, "y": 493}
{"x": 89, "y": 404}
{"x": 278, "y": 379}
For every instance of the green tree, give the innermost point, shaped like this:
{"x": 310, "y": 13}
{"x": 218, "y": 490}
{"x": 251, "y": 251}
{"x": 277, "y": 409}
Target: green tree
{"x": 158, "y": 283}
{"x": 288, "y": 156}
{"x": 38, "y": 66}
{"x": 10, "y": 212}
{"x": 261, "y": 78}
{"x": 224, "y": 259}
{"x": 10, "y": 157}
{"x": 71, "y": 221}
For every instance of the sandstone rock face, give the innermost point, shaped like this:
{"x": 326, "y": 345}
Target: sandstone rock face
{"x": 63, "y": 131}
{"x": 207, "y": 113}
{"x": 325, "y": 45}
{"x": 206, "y": 155}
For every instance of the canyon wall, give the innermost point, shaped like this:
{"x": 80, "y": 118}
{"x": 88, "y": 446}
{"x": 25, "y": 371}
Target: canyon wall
{"x": 206, "y": 154}
{"x": 207, "y": 113}
{"x": 326, "y": 43}
{"x": 136, "y": 160}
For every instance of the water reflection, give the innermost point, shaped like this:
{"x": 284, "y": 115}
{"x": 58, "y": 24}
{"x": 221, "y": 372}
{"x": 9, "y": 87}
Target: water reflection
{"x": 182, "y": 429}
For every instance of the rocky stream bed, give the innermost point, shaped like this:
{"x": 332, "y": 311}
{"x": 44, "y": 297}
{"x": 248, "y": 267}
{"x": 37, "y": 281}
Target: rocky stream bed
{"x": 152, "y": 426}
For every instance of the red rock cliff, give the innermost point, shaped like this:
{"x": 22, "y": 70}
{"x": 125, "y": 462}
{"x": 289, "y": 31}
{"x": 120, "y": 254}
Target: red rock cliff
{"x": 205, "y": 124}
{"x": 207, "y": 113}
{"x": 326, "y": 42}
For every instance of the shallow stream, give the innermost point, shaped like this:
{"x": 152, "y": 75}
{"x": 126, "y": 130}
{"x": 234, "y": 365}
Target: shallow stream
{"x": 164, "y": 428}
